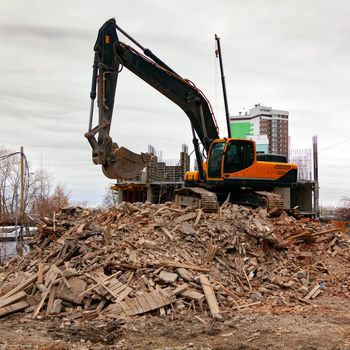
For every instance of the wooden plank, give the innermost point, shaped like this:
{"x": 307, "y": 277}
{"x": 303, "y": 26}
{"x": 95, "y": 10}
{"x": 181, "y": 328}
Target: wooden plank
{"x": 133, "y": 307}
{"x": 123, "y": 294}
{"x": 51, "y": 275}
{"x": 100, "y": 305}
{"x": 210, "y": 296}
{"x": 319, "y": 291}
{"x": 41, "y": 303}
{"x": 186, "y": 217}
{"x": 142, "y": 300}
{"x": 119, "y": 289}
{"x": 166, "y": 231}
{"x": 164, "y": 297}
{"x": 245, "y": 305}
{"x": 50, "y": 301}
{"x": 312, "y": 292}
{"x": 144, "y": 303}
{"x": 40, "y": 272}
{"x": 185, "y": 266}
{"x": 179, "y": 289}
{"x": 200, "y": 211}
{"x": 192, "y": 294}
{"x": 99, "y": 281}
{"x": 154, "y": 299}
{"x": 113, "y": 283}
{"x": 24, "y": 285}
{"x": 13, "y": 308}
{"x": 12, "y": 299}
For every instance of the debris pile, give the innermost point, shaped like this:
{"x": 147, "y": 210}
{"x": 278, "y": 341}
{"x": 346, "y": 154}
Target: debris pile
{"x": 166, "y": 260}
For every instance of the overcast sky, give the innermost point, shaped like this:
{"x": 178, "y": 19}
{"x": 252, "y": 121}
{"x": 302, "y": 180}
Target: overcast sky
{"x": 287, "y": 54}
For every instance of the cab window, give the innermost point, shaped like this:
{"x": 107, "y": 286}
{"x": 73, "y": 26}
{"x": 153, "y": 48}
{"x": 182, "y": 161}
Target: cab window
{"x": 238, "y": 156}
{"x": 215, "y": 160}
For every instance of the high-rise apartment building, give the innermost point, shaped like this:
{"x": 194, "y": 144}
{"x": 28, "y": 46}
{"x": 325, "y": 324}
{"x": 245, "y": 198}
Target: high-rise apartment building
{"x": 261, "y": 121}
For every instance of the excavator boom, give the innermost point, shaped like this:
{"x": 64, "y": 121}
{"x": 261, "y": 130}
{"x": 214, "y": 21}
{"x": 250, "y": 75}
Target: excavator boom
{"x": 111, "y": 56}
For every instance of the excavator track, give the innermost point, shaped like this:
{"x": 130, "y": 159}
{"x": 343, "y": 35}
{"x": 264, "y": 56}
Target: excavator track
{"x": 197, "y": 197}
{"x": 274, "y": 202}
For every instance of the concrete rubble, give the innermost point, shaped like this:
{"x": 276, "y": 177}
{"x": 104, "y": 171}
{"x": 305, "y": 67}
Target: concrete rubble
{"x": 164, "y": 260}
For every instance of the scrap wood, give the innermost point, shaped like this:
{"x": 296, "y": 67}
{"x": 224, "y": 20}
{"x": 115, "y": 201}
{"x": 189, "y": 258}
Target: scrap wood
{"x": 313, "y": 291}
{"x": 41, "y": 302}
{"x": 193, "y": 294}
{"x": 50, "y": 301}
{"x": 116, "y": 289}
{"x": 12, "y": 299}
{"x": 185, "y": 266}
{"x": 245, "y": 305}
{"x": 167, "y": 233}
{"x": 99, "y": 283}
{"x": 199, "y": 215}
{"x": 210, "y": 296}
{"x": 23, "y": 286}
{"x": 292, "y": 238}
{"x": 326, "y": 232}
{"x": 245, "y": 275}
{"x": 13, "y": 308}
{"x": 142, "y": 303}
{"x": 51, "y": 275}
{"x": 227, "y": 291}
{"x": 189, "y": 216}
{"x": 40, "y": 273}
{"x": 236, "y": 229}
{"x": 211, "y": 251}
{"x": 179, "y": 289}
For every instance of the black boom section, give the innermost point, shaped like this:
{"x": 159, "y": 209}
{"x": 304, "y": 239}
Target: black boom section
{"x": 175, "y": 88}
{"x": 108, "y": 67}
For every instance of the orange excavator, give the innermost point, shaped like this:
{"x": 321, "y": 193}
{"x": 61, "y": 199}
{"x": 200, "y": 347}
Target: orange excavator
{"x": 231, "y": 168}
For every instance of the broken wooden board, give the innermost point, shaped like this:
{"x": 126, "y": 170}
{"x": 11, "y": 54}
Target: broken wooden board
{"x": 193, "y": 294}
{"x": 24, "y": 285}
{"x": 186, "y": 217}
{"x": 185, "y": 266}
{"x": 13, "y": 308}
{"x": 313, "y": 291}
{"x": 12, "y": 299}
{"x": 141, "y": 304}
{"x": 51, "y": 275}
{"x": 109, "y": 287}
{"x": 210, "y": 296}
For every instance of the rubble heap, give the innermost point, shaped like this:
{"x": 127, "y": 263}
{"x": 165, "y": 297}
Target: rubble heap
{"x": 162, "y": 260}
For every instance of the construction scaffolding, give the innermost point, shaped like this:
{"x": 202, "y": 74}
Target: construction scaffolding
{"x": 303, "y": 158}
{"x": 158, "y": 181}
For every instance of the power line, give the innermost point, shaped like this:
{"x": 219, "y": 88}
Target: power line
{"x": 335, "y": 144}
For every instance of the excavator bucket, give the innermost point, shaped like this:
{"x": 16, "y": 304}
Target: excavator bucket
{"x": 126, "y": 164}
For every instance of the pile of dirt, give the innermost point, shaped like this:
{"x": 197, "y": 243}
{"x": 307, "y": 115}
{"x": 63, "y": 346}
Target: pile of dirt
{"x": 163, "y": 260}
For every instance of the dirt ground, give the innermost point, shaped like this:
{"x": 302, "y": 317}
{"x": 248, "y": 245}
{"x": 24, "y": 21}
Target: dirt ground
{"x": 324, "y": 324}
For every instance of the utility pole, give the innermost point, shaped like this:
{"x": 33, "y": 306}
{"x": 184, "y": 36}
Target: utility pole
{"x": 22, "y": 189}
{"x": 315, "y": 164}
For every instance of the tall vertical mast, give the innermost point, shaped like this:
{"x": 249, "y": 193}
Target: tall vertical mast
{"x": 218, "y": 54}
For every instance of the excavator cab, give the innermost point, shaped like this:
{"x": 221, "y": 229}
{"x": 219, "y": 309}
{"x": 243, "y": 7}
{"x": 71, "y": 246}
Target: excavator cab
{"x": 229, "y": 156}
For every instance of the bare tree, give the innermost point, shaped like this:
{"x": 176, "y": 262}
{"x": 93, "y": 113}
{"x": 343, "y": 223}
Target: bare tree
{"x": 45, "y": 204}
{"x": 110, "y": 198}
{"x": 343, "y": 211}
{"x": 41, "y": 197}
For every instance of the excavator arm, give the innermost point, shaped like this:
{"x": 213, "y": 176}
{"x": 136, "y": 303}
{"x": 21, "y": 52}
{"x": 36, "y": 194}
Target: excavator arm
{"x": 111, "y": 56}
